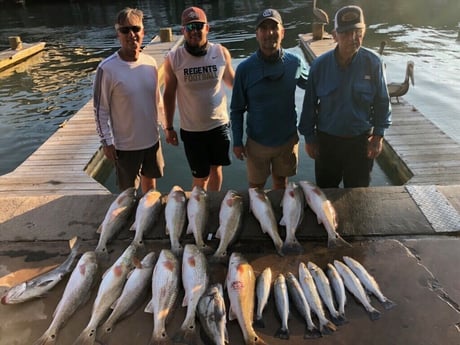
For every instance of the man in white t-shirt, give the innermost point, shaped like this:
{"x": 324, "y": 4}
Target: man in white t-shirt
{"x": 195, "y": 73}
{"x": 127, "y": 107}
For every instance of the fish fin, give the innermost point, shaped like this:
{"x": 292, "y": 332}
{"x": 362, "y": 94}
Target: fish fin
{"x": 328, "y": 328}
{"x": 166, "y": 230}
{"x": 133, "y": 227}
{"x": 218, "y": 233}
{"x": 189, "y": 229}
{"x": 186, "y": 336}
{"x": 231, "y": 314}
{"x": 388, "y": 304}
{"x": 337, "y": 241}
{"x": 185, "y": 300}
{"x": 312, "y": 333}
{"x": 374, "y": 314}
{"x": 339, "y": 320}
{"x": 292, "y": 247}
{"x": 282, "y": 221}
{"x": 149, "y": 307}
{"x": 99, "y": 229}
{"x": 114, "y": 304}
{"x": 75, "y": 242}
{"x": 258, "y": 323}
{"x": 282, "y": 333}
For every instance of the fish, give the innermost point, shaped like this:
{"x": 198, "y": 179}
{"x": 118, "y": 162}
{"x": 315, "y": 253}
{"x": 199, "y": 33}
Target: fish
{"x": 311, "y": 294}
{"x": 280, "y": 292}
{"x": 75, "y": 295}
{"x": 325, "y": 291}
{"x": 240, "y": 283}
{"x": 339, "y": 289}
{"x": 165, "y": 286}
{"x": 197, "y": 214}
{"x": 116, "y": 218}
{"x": 230, "y": 219}
{"x": 147, "y": 213}
{"x": 133, "y": 295}
{"x": 175, "y": 214}
{"x": 212, "y": 315}
{"x": 368, "y": 281}
{"x": 262, "y": 210}
{"x": 353, "y": 284}
{"x": 195, "y": 280}
{"x": 263, "y": 287}
{"x": 293, "y": 206}
{"x": 301, "y": 304}
{"x": 325, "y": 213}
{"x": 109, "y": 290}
{"x": 40, "y": 286}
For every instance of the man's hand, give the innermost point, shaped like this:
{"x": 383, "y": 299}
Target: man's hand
{"x": 239, "y": 152}
{"x": 110, "y": 152}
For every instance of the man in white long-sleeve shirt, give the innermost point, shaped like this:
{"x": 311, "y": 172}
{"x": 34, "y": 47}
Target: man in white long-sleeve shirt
{"x": 127, "y": 106}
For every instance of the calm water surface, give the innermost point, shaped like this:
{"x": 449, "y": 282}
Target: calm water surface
{"x": 37, "y": 96}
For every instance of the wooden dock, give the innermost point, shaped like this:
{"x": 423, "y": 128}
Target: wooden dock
{"x": 66, "y": 163}
{"x": 11, "y": 57}
{"x": 415, "y": 151}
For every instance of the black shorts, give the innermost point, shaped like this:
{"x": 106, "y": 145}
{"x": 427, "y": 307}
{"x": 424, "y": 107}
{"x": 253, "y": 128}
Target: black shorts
{"x": 206, "y": 149}
{"x": 131, "y": 164}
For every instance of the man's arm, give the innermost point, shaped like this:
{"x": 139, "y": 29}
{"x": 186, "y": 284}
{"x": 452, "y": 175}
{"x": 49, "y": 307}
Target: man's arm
{"x": 229, "y": 73}
{"x": 169, "y": 102}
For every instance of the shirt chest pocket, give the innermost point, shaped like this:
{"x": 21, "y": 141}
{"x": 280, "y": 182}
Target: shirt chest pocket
{"x": 363, "y": 94}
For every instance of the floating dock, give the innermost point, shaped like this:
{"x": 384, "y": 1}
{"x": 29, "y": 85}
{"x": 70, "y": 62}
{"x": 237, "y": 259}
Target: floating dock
{"x": 404, "y": 235}
{"x": 11, "y": 57}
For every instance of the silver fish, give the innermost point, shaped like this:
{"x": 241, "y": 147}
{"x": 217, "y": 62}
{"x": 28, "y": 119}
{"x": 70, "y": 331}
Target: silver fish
{"x": 301, "y": 304}
{"x": 39, "y": 286}
{"x": 325, "y": 213}
{"x": 293, "y": 206}
{"x": 211, "y": 313}
{"x": 147, "y": 213}
{"x": 133, "y": 295}
{"x": 311, "y": 294}
{"x": 262, "y": 210}
{"x": 339, "y": 289}
{"x": 368, "y": 281}
{"x": 195, "y": 280}
{"x": 197, "y": 214}
{"x": 263, "y": 287}
{"x": 230, "y": 218}
{"x": 325, "y": 291}
{"x": 175, "y": 214}
{"x": 165, "y": 285}
{"x": 116, "y": 218}
{"x": 76, "y": 293}
{"x": 280, "y": 292}
{"x": 109, "y": 290}
{"x": 353, "y": 285}
{"x": 240, "y": 284}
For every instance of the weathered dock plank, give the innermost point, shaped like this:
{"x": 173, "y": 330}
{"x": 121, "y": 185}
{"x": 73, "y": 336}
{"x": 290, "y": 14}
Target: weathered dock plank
{"x": 416, "y": 151}
{"x": 65, "y": 163}
{"x": 11, "y": 57}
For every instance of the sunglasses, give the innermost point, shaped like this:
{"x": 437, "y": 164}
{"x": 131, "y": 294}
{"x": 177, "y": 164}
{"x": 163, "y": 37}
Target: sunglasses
{"x": 194, "y": 26}
{"x": 126, "y": 29}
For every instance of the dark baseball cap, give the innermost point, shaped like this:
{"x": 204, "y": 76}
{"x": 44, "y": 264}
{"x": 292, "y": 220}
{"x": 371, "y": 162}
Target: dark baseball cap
{"x": 269, "y": 13}
{"x": 349, "y": 18}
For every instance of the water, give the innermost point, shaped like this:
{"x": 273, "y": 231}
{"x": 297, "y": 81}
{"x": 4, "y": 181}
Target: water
{"x": 37, "y": 96}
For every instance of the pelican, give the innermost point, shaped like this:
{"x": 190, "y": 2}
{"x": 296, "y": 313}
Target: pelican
{"x": 319, "y": 14}
{"x": 400, "y": 89}
{"x": 382, "y": 46}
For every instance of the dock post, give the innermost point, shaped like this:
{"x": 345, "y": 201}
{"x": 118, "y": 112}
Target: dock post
{"x": 15, "y": 42}
{"x": 318, "y": 30}
{"x": 165, "y": 34}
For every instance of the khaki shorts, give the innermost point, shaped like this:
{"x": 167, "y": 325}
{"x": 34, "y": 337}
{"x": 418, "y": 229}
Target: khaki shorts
{"x": 262, "y": 161}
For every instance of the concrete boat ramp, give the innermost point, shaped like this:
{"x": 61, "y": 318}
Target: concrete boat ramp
{"x": 406, "y": 236}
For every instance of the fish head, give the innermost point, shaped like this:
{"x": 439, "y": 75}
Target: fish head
{"x": 14, "y": 294}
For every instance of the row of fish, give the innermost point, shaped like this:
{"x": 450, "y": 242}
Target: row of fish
{"x": 315, "y": 291}
{"x": 194, "y": 210}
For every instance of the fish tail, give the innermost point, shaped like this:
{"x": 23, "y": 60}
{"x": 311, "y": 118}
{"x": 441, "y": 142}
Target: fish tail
{"x": 337, "y": 241}
{"x": 282, "y": 333}
{"x": 339, "y": 320}
{"x": 312, "y": 333}
{"x": 205, "y": 249}
{"x": 388, "y": 304}
{"x": 186, "y": 336}
{"x": 327, "y": 327}
{"x": 87, "y": 337}
{"x": 374, "y": 314}
{"x": 259, "y": 323}
{"x": 292, "y": 247}
{"x": 46, "y": 339}
{"x": 74, "y": 243}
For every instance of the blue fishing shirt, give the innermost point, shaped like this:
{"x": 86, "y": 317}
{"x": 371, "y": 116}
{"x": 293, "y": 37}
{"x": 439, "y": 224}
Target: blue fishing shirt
{"x": 346, "y": 101}
{"x": 266, "y": 92}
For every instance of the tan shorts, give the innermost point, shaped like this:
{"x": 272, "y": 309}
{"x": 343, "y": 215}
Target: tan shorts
{"x": 262, "y": 161}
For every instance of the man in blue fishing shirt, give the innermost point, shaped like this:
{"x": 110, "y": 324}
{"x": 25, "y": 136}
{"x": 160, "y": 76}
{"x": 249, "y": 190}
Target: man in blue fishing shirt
{"x": 346, "y": 108}
{"x": 264, "y": 89}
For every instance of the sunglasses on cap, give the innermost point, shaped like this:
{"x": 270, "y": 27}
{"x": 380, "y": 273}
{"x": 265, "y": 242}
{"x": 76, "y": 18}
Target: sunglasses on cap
{"x": 126, "y": 29}
{"x": 194, "y": 26}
